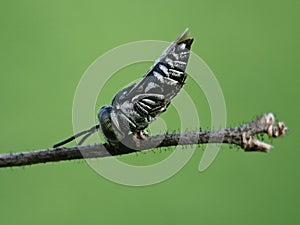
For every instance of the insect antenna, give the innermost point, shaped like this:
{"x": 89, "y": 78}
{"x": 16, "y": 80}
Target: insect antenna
{"x": 87, "y": 133}
{"x": 86, "y": 136}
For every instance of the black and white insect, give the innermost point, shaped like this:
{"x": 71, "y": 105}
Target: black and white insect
{"x": 136, "y": 106}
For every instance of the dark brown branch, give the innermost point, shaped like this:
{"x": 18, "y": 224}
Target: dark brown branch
{"x": 242, "y": 136}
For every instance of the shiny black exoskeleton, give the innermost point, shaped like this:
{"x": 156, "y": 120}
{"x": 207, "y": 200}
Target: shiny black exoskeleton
{"x": 136, "y": 106}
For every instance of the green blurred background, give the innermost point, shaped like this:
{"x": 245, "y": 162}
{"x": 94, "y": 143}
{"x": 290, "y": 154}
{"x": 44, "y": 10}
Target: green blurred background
{"x": 253, "y": 49}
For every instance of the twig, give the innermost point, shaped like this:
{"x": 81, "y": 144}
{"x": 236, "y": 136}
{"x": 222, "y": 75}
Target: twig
{"x": 243, "y": 136}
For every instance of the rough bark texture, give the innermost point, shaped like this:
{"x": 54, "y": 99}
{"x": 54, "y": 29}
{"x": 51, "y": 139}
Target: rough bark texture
{"x": 242, "y": 136}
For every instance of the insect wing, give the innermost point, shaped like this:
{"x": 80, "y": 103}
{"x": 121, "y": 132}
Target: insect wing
{"x": 143, "y": 101}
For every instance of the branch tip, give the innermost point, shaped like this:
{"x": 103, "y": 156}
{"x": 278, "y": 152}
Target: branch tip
{"x": 264, "y": 124}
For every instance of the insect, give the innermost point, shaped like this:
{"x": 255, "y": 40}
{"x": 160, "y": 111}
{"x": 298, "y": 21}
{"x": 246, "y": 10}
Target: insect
{"x": 135, "y": 107}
